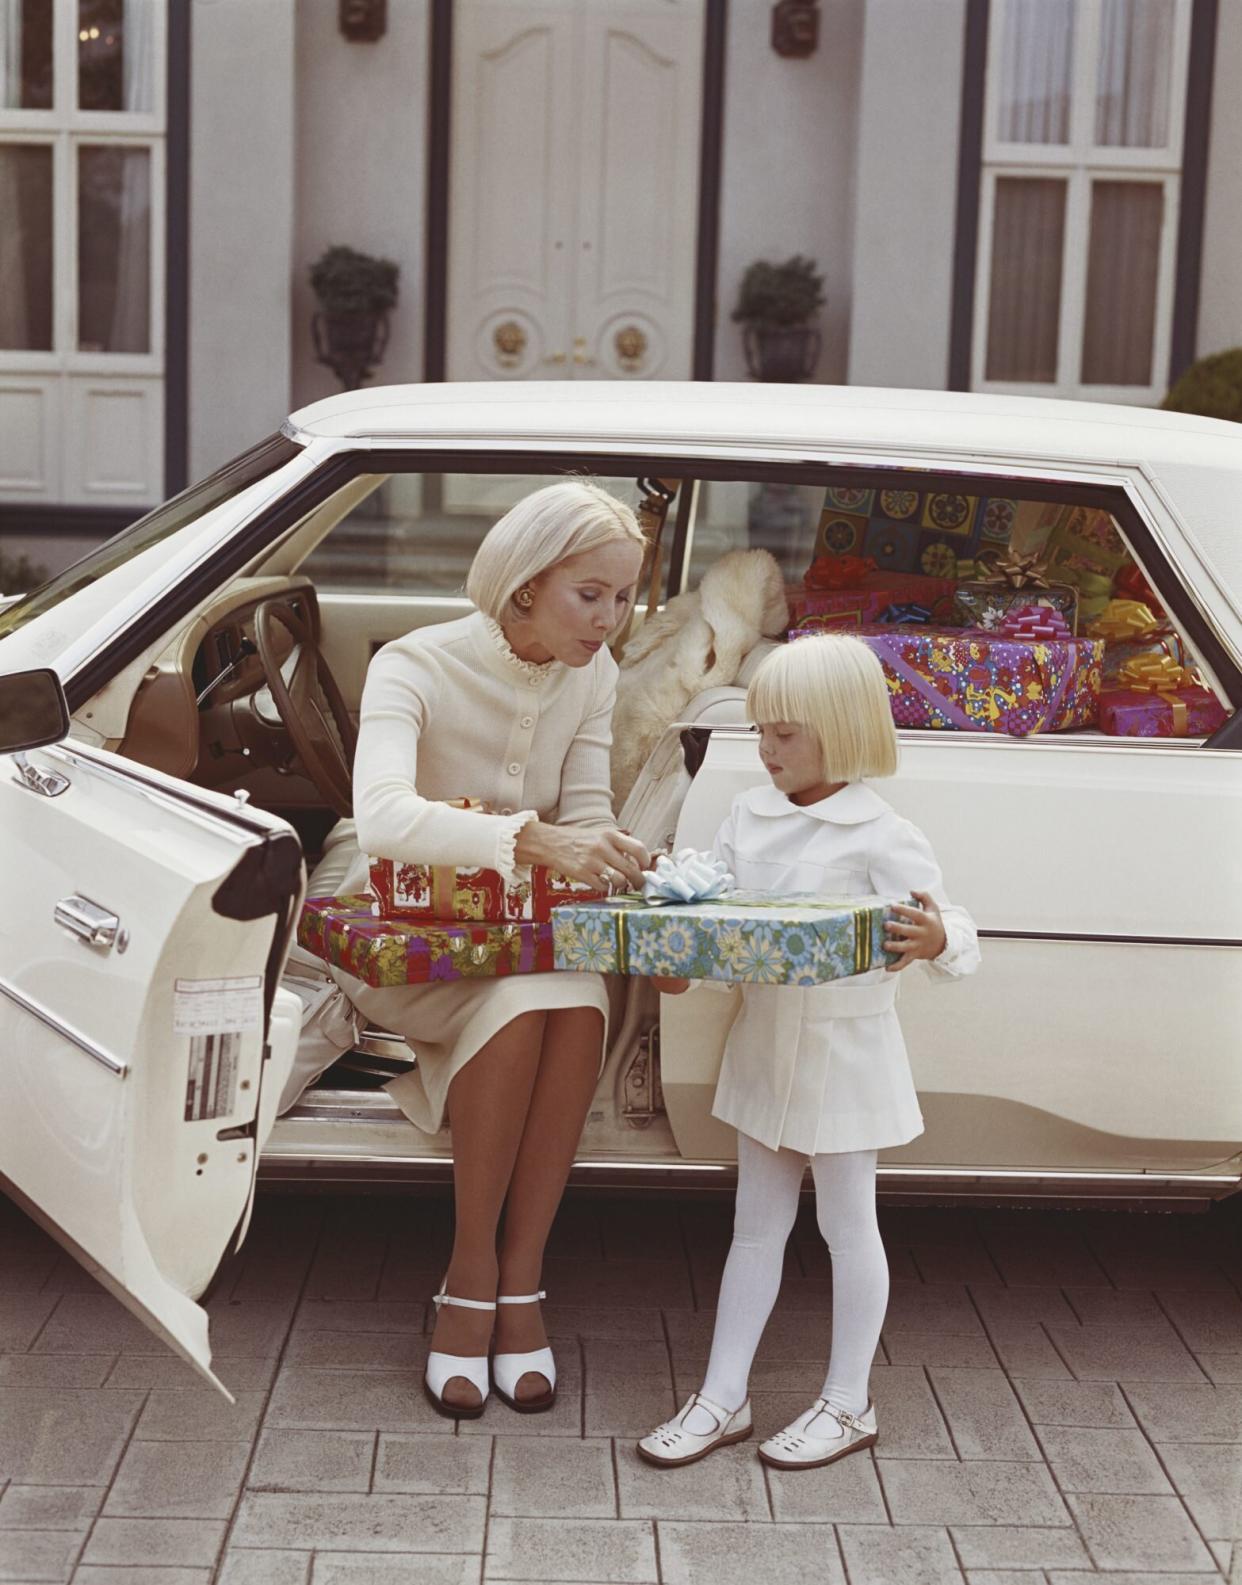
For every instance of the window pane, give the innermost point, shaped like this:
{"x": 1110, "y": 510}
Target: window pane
{"x": 116, "y": 54}
{"x": 1024, "y": 302}
{"x": 26, "y": 248}
{"x": 1036, "y": 61}
{"x": 1123, "y": 268}
{"x": 114, "y": 250}
{"x": 25, "y": 55}
{"x": 1132, "y": 76}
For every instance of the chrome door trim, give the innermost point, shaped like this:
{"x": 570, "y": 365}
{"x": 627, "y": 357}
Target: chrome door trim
{"x": 74, "y": 1036}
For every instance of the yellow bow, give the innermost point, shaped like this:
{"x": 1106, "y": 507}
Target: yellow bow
{"x": 1124, "y": 619}
{"x": 1162, "y": 676}
{"x": 1011, "y": 569}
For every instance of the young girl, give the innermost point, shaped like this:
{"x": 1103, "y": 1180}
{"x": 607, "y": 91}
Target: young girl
{"x": 816, "y": 1073}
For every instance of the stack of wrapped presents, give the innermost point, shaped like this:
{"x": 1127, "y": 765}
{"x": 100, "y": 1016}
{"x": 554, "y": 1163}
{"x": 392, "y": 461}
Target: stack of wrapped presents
{"x": 1000, "y": 615}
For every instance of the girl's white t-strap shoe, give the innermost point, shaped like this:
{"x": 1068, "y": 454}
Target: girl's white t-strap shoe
{"x": 508, "y": 1369}
{"x": 820, "y": 1436}
{"x": 671, "y": 1444}
{"x": 441, "y": 1368}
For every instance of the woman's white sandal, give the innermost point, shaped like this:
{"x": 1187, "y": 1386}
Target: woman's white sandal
{"x": 442, "y": 1368}
{"x": 508, "y": 1369}
{"x": 797, "y": 1447}
{"x": 671, "y": 1445}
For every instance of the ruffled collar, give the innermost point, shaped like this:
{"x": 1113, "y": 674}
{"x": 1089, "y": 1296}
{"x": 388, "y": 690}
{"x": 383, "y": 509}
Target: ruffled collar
{"x": 530, "y": 672}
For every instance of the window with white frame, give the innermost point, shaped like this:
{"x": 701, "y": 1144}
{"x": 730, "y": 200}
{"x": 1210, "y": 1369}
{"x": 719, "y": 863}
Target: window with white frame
{"x": 1084, "y": 109}
{"x": 82, "y": 123}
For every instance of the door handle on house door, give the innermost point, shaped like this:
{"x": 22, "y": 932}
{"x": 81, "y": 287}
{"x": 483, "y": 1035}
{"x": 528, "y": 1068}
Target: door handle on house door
{"x": 91, "y": 923}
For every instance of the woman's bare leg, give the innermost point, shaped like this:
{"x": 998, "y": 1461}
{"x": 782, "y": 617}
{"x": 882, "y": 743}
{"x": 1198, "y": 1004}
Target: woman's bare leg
{"x": 488, "y": 1102}
{"x": 568, "y": 1072}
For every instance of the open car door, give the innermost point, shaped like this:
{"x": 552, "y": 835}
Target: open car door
{"x": 143, "y": 1039}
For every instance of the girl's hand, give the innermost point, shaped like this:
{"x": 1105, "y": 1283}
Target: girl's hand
{"x": 607, "y": 859}
{"x": 915, "y": 933}
{"x": 669, "y": 987}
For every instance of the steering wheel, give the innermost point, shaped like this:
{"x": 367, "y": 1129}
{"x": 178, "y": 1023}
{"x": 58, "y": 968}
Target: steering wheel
{"x": 308, "y": 701}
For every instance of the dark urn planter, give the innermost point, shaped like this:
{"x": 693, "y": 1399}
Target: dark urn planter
{"x": 785, "y": 353}
{"x": 351, "y": 344}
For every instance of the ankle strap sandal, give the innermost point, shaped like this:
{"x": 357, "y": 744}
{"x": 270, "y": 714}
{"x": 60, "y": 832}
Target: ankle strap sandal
{"x": 508, "y": 1369}
{"x": 443, "y": 1368}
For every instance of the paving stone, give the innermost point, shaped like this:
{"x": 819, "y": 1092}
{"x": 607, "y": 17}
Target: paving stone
{"x": 729, "y": 1485}
{"x": 563, "y": 1419}
{"x": 1018, "y": 1547}
{"x": 173, "y": 1414}
{"x": 1118, "y": 1461}
{"x": 911, "y": 1555}
{"x": 352, "y": 1401}
{"x": 1024, "y": 1263}
{"x": 565, "y": 1321}
{"x": 1222, "y": 1551}
{"x": 803, "y": 1377}
{"x": 432, "y": 1465}
{"x": 341, "y": 1315}
{"x": 1115, "y": 1307}
{"x": 1085, "y": 1403}
{"x": 1150, "y": 1533}
{"x": 380, "y": 1522}
{"x": 1152, "y": 1269}
{"x": 1027, "y": 1351}
{"x": 340, "y": 1568}
{"x": 1225, "y": 1370}
{"x": 909, "y": 1419}
{"x": 64, "y": 1438}
{"x": 1005, "y": 1576}
{"x": 955, "y": 1263}
{"x": 49, "y": 1507}
{"x": 1187, "y": 1414}
{"x": 38, "y": 1554}
{"x": 939, "y": 1348}
{"x": 349, "y": 1262}
{"x": 186, "y": 1543}
{"x": 548, "y": 1477}
{"x": 623, "y": 1410}
{"x": 788, "y": 1335}
{"x": 178, "y": 1480}
{"x": 1205, "y": 1320}
{"x": 923, "y": 1307}
{"x": 932, "y": 1491}
{"x": 1207, "y": 1477}
{"x": 22, "y": 1314}
{"x": 345, "y": 1351}
{"x": 614, "y": 1359}
{"x": 312, "y": 1461}
{"x": 741, "y": 1554}
{"x": 985, "y": 1418}
{"x": 80, "y": 1320}
{"x": 600, "y": 1282}
{"x": 579, "y": 1550}
{"x": 1101, "y": 1353}
{"x": 98, "y": 1574}
{"x": 265, "y": 1568}
{"x": 640, "y": 1230}
{"x": 249, "y": 1330}
{"x": 166, "y": 1370}
{"x": 1026, "y": 1306}
{"x": 1060, "y": 1577}
{"x": 49, "y": 1370}
{"x": 847, "y": 1492}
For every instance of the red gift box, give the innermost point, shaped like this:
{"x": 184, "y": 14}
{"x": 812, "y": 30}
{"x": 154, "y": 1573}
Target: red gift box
{"x": 868, "y": 600}
{"x": 1155, "y": 697}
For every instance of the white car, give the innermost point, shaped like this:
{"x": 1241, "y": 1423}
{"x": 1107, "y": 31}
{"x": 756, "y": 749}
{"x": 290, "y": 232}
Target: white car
{"x": 177, "y": 711}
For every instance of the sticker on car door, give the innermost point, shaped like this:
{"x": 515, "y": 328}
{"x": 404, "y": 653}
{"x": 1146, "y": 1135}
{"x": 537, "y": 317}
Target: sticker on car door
{"x": 212, "y": 1007}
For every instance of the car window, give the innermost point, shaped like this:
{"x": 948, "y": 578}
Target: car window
{"x": 151, "y": 530}
{"x": 416, "y": 533}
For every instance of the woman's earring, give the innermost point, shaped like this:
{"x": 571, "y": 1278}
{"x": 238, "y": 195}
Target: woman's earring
{"x": 524, "y": 598}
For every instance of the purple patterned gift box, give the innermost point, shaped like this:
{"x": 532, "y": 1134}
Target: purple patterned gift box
{"x": 955, "y": 681}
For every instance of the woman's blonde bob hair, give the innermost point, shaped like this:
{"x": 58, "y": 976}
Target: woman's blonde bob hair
{"x": 834, "y": 685}
{"x": 544, "y": 528}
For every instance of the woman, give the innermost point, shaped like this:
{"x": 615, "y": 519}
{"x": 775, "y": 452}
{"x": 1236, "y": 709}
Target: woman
{"x": 511, "y": 704}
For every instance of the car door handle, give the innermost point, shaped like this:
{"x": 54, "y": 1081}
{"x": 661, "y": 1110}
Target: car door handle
{"x": 91, "y": 923}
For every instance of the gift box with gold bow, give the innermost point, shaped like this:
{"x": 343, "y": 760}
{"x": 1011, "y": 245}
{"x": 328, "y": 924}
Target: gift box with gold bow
{"x": 1005, "y": 581}
{"x": 1130, "y": 628}
{"x": 1155, "y": 697}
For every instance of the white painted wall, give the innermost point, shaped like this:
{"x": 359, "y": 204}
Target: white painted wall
{"x": 1220, "y": 303}
{"x": 904, "y": 222}
{"x": 361, "y": 174}
{"x": 241, "y": 224}
{"x": 787, "y": 169}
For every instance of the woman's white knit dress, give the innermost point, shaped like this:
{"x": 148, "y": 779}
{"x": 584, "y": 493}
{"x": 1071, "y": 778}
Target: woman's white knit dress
{"x": 451, "y": 712}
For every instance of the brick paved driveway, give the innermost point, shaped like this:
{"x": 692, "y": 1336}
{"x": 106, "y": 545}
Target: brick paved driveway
{"x": 1060, "y": 1395}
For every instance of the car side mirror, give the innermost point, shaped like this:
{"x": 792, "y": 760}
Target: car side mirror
{"x": 33, "y": 710}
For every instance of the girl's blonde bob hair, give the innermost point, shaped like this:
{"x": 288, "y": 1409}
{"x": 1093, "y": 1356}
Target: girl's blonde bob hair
{"x": 544, "y": 528}
{"x": 834, "y": 685}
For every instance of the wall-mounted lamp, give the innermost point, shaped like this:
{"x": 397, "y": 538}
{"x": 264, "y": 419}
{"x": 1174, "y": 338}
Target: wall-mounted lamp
{"x": 363, "y": 21}
{"x": 795, "y": 28}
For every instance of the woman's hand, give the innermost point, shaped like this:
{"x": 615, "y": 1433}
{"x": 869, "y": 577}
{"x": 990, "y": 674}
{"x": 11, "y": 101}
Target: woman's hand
{"x": 669, "y": 987}
{"x": 915, "y": 933}
{"x": 607, "y": 859}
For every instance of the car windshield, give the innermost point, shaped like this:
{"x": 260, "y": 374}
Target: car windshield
{"x": 150, "y": 530}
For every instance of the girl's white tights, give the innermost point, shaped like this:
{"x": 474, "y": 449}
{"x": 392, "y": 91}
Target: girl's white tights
{"x": 768, "y": 1184}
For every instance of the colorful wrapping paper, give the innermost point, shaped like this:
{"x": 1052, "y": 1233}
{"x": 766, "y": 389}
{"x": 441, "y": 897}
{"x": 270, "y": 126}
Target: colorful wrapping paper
{"x": 343, "y": 931}
{"x": 751, "y": 937}
{"x": 425, "y": 892}
{"x": 956, "y": 681}
{"x": 986, "y": 605}
{"x": 868, "y": 600}
{"x": 1155, "y": 697}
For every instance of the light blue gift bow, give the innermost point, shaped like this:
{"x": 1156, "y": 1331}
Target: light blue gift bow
{"x": 690, "y": 877}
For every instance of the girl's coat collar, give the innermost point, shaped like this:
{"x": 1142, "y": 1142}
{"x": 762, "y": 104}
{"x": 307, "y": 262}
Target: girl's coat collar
{"x": 849, "y": 807}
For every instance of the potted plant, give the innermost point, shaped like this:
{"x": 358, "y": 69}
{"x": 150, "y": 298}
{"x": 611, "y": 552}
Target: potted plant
{"x": 1211, "y": 387}
{"x": 356, "y": 293}
{"x": 775, "y": 305}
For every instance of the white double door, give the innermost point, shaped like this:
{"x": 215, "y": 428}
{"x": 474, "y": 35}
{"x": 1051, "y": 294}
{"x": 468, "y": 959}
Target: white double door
{"x": 574, "y": 182}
